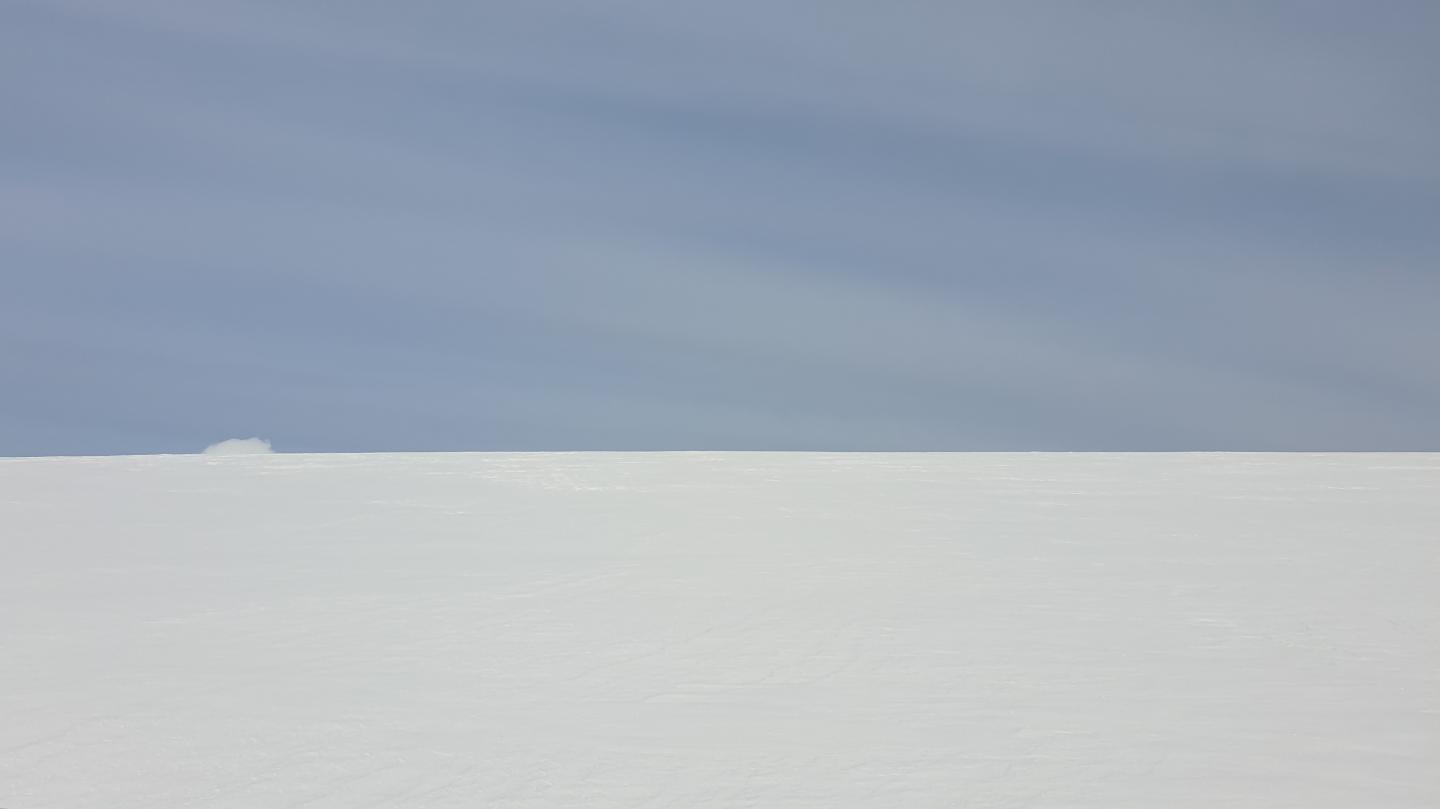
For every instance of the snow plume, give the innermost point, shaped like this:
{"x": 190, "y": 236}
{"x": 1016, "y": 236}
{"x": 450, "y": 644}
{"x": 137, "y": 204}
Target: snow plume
{"x": 240, "y": 446}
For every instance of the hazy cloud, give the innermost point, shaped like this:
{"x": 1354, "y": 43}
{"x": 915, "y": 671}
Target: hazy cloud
{"x": 838, "y": 225}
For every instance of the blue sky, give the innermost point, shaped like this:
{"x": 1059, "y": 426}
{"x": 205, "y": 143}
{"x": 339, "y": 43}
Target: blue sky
{"x": 751, "y": 225}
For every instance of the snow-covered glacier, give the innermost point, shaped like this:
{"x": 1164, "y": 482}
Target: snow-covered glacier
{"x": 720, "y": 629}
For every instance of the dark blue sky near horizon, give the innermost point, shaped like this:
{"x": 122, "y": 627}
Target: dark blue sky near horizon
{"x": 754, "y": 225}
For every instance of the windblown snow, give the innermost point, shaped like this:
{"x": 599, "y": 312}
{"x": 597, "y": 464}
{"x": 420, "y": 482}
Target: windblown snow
{"x": 713, "y": 629}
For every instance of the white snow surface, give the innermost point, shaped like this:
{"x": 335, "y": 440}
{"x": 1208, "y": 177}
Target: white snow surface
{"x": 720, "y": 629}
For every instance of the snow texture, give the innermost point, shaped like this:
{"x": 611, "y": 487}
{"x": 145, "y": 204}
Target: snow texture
{"x": 692, "y": 629}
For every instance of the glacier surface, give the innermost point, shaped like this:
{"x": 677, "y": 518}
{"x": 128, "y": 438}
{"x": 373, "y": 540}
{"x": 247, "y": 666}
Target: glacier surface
{"x": 720, "y": 629}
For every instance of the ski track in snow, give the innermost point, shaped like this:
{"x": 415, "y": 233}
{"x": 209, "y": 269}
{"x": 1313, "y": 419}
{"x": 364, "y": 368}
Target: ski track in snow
{"x": 713, "y": 629}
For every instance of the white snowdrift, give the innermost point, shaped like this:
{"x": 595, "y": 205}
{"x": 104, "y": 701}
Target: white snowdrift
{"x": 686, "y": 630}
{"x": 239, "y": 446}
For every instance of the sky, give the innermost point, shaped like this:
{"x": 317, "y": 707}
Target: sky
{"x": 661, "y": 224}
